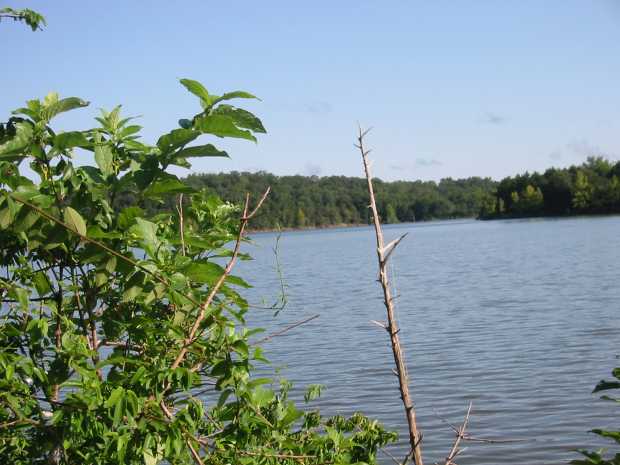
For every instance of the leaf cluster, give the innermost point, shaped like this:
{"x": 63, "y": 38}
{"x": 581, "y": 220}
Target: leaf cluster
{"x": 122, "y": 334}
{"x": 597, "y": 457}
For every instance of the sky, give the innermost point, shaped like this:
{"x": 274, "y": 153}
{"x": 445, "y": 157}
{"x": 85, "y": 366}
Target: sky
{"x": 450, "y": 88}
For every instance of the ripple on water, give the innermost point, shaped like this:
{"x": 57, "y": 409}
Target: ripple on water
{"x": 519, "y": 317}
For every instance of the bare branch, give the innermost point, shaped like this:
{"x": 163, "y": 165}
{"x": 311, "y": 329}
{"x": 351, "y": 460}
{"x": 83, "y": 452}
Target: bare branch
{"x": 460, "y": 434}
{"x": 388, "y": 249}
{"x": 285, "y": 330}
{"x": 383, "y": 253}
{"x": 181, "y": 225}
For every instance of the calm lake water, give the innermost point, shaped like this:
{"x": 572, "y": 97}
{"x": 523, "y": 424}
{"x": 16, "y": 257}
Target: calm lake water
{"x": 520, "y": 317}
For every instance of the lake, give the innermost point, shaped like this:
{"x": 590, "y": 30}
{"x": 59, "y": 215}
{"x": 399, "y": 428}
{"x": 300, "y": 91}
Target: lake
{"x": 520, "y": 317}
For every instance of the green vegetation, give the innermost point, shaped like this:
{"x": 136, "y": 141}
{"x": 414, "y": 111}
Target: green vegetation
{"x": 597, "y": 457}
{"x": 591, "y": 188}
{"x": 122, "y": 337}
{"x": 301, "y": 201}
{"x": 33, "y": 19}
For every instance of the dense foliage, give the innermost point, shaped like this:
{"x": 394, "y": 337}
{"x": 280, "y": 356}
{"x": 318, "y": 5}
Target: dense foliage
{"x": 591, "y": 188}
{"x": 122, "y": 336}
{"x": 33, "y": 19}
{"x": 302, "y": 201}
{"x": 598, "y": 457}
{"x": 310, "y": 201}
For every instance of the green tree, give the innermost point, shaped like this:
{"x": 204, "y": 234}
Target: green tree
{"x": 390, "y": 214}
{"x": 582, "y": 192}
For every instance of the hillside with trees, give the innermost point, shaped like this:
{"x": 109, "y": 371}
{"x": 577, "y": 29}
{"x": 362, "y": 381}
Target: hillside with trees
{"x": 302, "y": 201}
{"x": 590, "y": 188}
{"x": 310, "y": 201}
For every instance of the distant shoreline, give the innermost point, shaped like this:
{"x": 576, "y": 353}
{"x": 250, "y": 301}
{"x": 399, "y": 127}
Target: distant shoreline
{"x": 310, "y": 228}
{"x": 360, "y": 225}
{"x": 351, "y": 225}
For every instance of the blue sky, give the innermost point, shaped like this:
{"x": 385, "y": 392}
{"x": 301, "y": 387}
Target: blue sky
{"x": 451, "y": 88}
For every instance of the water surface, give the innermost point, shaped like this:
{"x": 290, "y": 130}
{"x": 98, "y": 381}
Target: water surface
{"x": 518, "y": 316}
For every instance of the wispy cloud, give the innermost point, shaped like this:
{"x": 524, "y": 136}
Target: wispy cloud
{"x": 318, "y": 107}
{"x": 425, "y": 162}
{"x": 493, "y": 118}
{"x": 312, "y": 169}
{"x": 583, "y": 148}
{"x": 579, "y": 149}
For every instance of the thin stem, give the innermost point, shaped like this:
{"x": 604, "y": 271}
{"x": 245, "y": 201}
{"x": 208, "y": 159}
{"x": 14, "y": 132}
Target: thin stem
{"x": 392, "y": 326}
{"x": 206, "y": 304}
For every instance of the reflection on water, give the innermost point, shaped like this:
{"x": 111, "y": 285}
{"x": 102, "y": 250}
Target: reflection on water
{"x": 518, "y": 316}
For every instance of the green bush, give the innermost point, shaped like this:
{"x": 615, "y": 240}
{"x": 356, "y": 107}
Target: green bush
{"x": 122, "y": 338}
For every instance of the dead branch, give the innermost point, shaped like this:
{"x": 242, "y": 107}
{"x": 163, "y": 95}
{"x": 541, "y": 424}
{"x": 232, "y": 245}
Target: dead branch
{"x": 460, "y": 434}
{"x": 181, "y": 225}
{"x": 285, "y": 330}
{"x": 383, "y": 254}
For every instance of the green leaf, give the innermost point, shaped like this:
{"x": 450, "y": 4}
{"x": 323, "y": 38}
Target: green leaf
{"x": 606, "y": 385}
{"x": 204, "y": 272}
{"x": 241, "y": 347}
{"x": 127, "y": 216}
{"x": 208, "y": 150}
{"x": 149, "y": 458}
{"x": 175, "y": 139}
{"x": 615, "y": 435}
{"x": 237, "y": 281}
{"x": 53, "y": 106}
{"x": 103, "y": 156}
{"x": 234, "y": 94}
{"x": 147, "y": 235}
{"x": 75, "y": 221}
{"x": 68, "y": 140}
{"x": 167, "y": 184}
{"x": 20, "y": 141}
{"x": 198, "y": 90}
{"x": 223, "y": 397}
{"x": 242, "y": 118}
{"x": 221, "y": 126}
{"x": 262, "y": 396}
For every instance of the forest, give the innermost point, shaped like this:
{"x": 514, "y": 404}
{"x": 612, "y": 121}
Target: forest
{"x": 591, "y": 188}
{"x": 310, "y": 201}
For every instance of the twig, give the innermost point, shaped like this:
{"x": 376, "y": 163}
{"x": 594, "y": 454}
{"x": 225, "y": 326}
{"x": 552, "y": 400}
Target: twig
{"x": 285, "y": 330}
{"x": 245, "y": 218}
{"x": 181, "y": 226}
{"x": 383, "y": 253}
{"x": 132, "y": 262}
{"x": 188, "y": 441}
{"x": 460, "y": 434}
{"x": 390, "y": 455}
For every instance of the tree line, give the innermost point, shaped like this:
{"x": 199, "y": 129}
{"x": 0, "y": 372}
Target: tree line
{"x": 590, "y": 188}
{"x": 310, "y": 201}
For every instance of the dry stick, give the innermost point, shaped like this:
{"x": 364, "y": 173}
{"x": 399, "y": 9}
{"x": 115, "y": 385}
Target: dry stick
{"x": 392, "y": 326}
{"x": 460, "y": 434}
{"x": 180, "y": 211}
{"x": 285, "y": 330}
{"x": 205, "y": 305}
